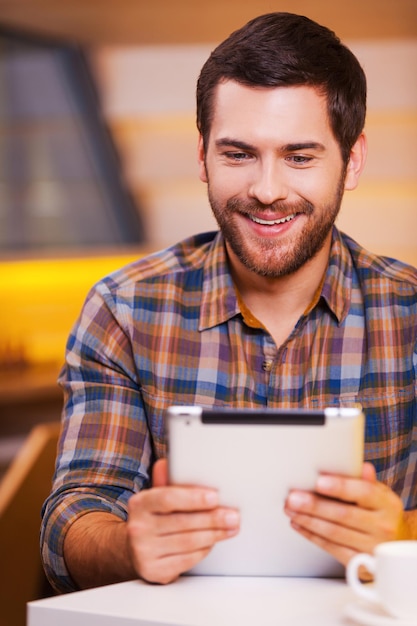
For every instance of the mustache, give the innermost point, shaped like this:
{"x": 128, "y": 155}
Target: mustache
{"x": 280, "y": 207}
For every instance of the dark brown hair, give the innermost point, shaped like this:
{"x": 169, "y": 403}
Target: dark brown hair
{"x": 281, "y": 50}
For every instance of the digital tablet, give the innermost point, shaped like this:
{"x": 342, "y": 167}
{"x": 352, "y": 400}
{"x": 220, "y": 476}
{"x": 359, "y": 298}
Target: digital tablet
{"x": 254, "y": 457}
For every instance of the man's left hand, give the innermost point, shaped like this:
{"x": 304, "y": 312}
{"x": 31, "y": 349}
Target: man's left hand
{"x": 345, "y": 516}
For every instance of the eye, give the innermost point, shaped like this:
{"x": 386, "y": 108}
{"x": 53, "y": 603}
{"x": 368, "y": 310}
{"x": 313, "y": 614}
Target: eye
{"x": 237, "y": 156}
{"x": 299, "y": 159}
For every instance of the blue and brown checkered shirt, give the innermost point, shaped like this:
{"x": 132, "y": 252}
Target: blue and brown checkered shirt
{"x": 168, "y": 329}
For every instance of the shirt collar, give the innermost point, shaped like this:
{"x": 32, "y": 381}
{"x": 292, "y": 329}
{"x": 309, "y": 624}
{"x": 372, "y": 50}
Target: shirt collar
{"x": 219, "y": 301}
{"x": 337, "y": 286}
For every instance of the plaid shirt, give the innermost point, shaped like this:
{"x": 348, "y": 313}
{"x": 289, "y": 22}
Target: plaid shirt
{"x": 168, "y": 329}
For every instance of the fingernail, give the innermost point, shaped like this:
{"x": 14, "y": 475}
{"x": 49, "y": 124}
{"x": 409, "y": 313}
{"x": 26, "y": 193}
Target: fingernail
{"x": 231, "y": 518}
{"x": 211, "y": 498}
{"x": 325, "y": 483}
{"x": 297, "y": 500}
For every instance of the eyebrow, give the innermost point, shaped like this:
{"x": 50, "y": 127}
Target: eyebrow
{"x": 305, "y": 145}
{"x": 228, "y": 141}
{"x": 289, "y": 147}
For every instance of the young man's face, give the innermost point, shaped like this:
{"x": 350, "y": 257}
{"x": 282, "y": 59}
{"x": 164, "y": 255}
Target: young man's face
{"x": 275, "y": 175}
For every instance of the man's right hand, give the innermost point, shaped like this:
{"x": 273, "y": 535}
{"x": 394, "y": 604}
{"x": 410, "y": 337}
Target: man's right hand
{"x": 171, "y": 528}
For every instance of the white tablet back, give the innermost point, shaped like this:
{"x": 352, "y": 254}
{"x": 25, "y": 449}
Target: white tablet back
{"x": 254, "y": 458}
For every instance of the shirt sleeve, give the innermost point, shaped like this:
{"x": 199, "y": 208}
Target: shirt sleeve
{"x": 410, "y": 483}
{"x": 105, "y": 448}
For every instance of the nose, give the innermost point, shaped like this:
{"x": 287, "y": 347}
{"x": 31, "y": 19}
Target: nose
{"x": 268, "y": 184}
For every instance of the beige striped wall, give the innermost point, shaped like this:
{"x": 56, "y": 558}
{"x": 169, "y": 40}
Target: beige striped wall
{"x": 148, "y": 99}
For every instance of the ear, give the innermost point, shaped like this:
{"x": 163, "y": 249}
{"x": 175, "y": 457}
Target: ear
{"x": 356, "y": 163}
{"x": 201, "y": 159}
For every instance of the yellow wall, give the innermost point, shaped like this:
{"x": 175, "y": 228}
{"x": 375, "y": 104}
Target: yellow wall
{"x": 41, "y": 300}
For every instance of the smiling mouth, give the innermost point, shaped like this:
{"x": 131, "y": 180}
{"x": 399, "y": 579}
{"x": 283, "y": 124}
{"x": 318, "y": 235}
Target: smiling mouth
{"x": 258, "y": 220}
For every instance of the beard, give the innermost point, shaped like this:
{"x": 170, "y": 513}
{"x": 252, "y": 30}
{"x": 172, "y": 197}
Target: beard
{"x": 271, "y": 257}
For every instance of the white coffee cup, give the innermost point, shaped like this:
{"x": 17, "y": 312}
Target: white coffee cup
{"x": 394, "y": 567}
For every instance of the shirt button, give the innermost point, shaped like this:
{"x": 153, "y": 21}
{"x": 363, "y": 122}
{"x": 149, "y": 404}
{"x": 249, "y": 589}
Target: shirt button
{"x": 267, "y": 365}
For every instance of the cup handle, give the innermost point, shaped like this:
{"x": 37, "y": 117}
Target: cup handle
{"x": 361, "y": 589}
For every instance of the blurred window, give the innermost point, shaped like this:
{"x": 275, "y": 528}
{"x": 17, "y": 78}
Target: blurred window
{"x": 60, "y": 177}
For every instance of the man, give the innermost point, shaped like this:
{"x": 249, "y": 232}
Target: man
{"x": 278, "y": 309}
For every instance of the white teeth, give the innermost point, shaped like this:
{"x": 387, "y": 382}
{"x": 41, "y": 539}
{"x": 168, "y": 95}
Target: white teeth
{"x": 272, "y": 222}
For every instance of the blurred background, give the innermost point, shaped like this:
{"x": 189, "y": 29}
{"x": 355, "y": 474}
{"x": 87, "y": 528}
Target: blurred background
{"x": 98, "y": 157}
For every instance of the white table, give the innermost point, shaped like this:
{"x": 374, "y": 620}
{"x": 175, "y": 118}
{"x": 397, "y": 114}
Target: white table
{"x": 201, "y": 601}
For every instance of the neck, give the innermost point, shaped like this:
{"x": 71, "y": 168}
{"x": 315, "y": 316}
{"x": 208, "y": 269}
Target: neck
{"x": 278, "y": 303}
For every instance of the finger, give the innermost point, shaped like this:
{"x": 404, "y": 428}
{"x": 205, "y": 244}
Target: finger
{"x": 351, "y": 489}
{"x": 329, "y": 533}
{"x": 173, "y": 499}
{"x": 160, "y": 473}
{"x": 337, "y": 512}
{"x": 194, "y": 541}
{"x": 372, "y": 526}
{"x": 167, "y": 569}
{"x": 341, "y": 553}
{"x": 218, "y": 519}
{"x": 366, "y": 493}
{"x": 158, "y": 546}
{"x": 382, "y": 521}
{"x": 166, "y": 558}
{"x": 369, "y": 472}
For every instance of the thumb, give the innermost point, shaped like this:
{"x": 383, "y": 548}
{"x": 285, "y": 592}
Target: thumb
{"x": 368, "y": 472}
{"x": 160, "y": 473}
